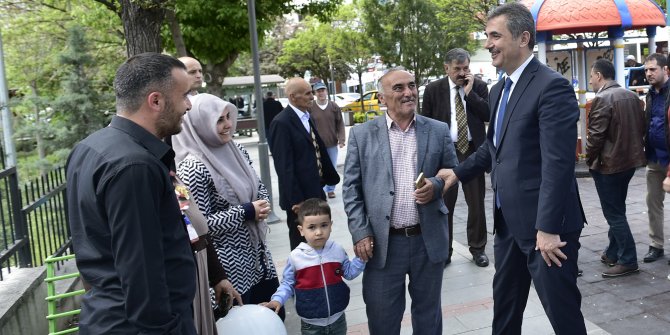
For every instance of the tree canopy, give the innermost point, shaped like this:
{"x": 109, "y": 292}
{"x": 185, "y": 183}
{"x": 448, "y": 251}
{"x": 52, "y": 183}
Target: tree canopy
{"x": 416, "y": 33}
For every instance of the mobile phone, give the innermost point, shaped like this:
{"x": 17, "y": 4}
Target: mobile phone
{"x": 420, "y": 181}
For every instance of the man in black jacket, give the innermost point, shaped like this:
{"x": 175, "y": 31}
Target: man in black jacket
{"x": 467, "y": 97}
{"x": 301, "y": 161}
{"x": 271, "y": 108}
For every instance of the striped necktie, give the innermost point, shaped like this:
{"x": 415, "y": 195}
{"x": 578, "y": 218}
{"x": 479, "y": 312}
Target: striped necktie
{"x": 461, "y": 123}
{"x": 316, "y": 148}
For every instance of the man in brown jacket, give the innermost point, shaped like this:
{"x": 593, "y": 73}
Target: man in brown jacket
{"x": 327, "y": 118}
{"x": 615, "y": 147}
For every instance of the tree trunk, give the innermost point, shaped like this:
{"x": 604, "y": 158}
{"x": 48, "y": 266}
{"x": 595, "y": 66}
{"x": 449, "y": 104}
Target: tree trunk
{"x": 142, "y": 25}
{"x": 177, "y": 37}
{"x": 218, "y": 72}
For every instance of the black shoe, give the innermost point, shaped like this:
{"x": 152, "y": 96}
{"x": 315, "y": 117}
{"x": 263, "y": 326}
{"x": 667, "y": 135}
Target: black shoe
{"x": 653, "y": 254}
{"x": 620, "y": 270}
{"x": 580, "y": 272}
{"x": 447, "y": 262}
{"x": 480, "y": 259}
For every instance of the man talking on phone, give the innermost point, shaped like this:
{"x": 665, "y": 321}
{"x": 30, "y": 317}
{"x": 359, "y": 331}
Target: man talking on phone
{"x": 398, "y": 229}
{"x": 461, "y": 100}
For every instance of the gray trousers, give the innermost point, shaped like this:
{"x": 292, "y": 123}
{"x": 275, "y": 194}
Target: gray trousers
{"x": 655, "y": 196}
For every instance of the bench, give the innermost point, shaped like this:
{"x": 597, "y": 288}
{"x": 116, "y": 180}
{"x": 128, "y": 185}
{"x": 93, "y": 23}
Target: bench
{"x": 247, "y": 126}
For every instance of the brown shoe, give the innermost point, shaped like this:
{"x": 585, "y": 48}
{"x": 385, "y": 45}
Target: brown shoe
{"x": 620, "y": 270}
{"x": 331, "y": 195}
{"x": 606, "y": 261}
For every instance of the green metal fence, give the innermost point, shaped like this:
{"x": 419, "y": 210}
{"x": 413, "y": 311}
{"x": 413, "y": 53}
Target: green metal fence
{"x": 53, "y": 298}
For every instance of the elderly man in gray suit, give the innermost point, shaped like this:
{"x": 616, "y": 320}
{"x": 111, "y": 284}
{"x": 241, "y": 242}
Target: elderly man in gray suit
{"x": 399, "y": 223}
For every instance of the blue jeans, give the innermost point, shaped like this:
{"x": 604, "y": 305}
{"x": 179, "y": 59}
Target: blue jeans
{"x": 339, "y": 327}
{"x": 332, "y": 154}
{"x": 612, "y": 190}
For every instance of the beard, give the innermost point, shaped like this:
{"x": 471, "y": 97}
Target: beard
{"x": 169, "y": 121}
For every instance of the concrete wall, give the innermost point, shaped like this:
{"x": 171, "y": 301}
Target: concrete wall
{"x": 23, "y": 309}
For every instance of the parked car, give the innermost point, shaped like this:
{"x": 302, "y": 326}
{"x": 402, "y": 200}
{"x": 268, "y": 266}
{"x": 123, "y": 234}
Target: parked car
{"x": 486, "y": 78}
{"x": 370, "y": 101}
{"x": 342, "y": 99}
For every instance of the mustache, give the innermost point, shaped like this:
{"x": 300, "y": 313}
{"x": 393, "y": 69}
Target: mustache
{"x": 411, "y": 99}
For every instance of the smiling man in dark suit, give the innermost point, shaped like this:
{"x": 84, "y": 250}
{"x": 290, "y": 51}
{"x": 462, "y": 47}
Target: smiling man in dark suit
{"x": 300, "y": 157}
{"x": 530, "y": 147}
{"x": 465, "y": 113}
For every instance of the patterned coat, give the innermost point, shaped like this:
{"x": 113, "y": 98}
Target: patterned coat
{"x": 245, "y": 265}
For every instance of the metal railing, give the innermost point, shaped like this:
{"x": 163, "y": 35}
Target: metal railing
{"x": 14, "y": 241}
{"x": 33, "y": 226}
{"x": 44, "y": 211}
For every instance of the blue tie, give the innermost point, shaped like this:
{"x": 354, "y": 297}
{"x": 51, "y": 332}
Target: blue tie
{"x": 499, "y": 122}
{"x": 501, "y": 110}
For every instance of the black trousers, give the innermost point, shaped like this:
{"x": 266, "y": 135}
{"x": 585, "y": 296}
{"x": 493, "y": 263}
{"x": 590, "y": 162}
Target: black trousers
{"x": 474, "y": 191}
{"x": 517, "y": 263}
{"x": 293, "y": 232}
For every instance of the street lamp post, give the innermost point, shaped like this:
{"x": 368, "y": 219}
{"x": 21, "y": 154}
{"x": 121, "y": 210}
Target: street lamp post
{"x": 10, "y": 151}
{"x": 332, "y": 80}
{"x": 262, "y": 139}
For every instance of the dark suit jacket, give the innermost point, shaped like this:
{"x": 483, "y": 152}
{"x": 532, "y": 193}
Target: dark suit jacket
{"x": 437, "y": 105}
{"x": 533, "y": 167}
{"x": 295, "y": 160}
{"x": 271, "y": 108}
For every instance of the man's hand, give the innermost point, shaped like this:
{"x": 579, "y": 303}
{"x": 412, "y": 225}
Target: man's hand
{"x": 273, "y": 305}
{"x": 666, "y": 184}
{"x": 549, "y": 246}
{"x": 470, "y": 81}
{"x": 424, "y": 194}
{"x": 449, "y": 177}
{"x": 363, "y": 248}
{"x": 225, "y": 287}
{"x": 341, "y": 145}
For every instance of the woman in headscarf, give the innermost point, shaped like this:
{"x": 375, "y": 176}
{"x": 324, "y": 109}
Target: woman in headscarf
{"x": 223, "y": 183}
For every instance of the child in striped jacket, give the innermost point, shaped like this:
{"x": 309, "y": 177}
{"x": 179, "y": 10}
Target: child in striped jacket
{"x": 314, "y": 273}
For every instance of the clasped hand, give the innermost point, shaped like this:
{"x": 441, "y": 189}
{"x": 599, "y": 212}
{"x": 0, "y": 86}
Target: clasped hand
{"x": 262, "y": 208}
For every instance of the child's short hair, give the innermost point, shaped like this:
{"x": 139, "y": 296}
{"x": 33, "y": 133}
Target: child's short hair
{"x": 313, "y": 207}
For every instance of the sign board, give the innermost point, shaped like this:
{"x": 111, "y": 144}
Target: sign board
{"x": 564, "y": 62}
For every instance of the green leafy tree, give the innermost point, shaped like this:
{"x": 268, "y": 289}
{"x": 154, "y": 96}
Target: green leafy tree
{"x": 269, "y": 51}
{"x": 29, "y": 46}
{"x": 79, "y": 109}
{"x": 310, "y": 50}
{"x": 409, "y": 33}
{"x": 217, "y": 32}
{"x": 352, "y": 44}
{"x": 34, "y": 34}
